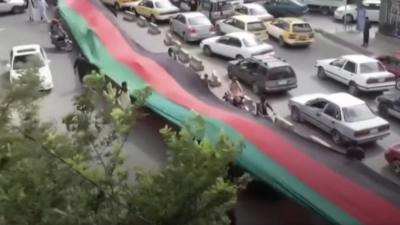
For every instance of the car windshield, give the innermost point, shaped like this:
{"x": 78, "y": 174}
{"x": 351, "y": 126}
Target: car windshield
{"x": 251, "y": 41}
{"x": 296, "y": 2}
{"x": 28, "y": 61}
{"x": 257, "y": 10}
{"x": 199, "y": 20}
{"x": 357, "y": 113}
{"x": 255, "y": 26}
{"x": 371, "y": 67}
{"x": 301, "y": 27}
{"x": 163, "y": 4}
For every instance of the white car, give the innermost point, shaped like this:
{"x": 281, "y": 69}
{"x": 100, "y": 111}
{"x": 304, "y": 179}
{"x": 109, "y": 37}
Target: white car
{"x": 242, "y": 23}
{"x": 349, "y": 13}
{"x": 359, "y": 72}
{"x": 346, "y": 118}
{"x": 25, "y": 57}
{"x": 254, "y": 9}
{"x": 238, "y": 45}
{"x": 13, "y": 6}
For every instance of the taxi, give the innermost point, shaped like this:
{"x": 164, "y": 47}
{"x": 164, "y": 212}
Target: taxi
{"x": 291, "y": 31}
{"x": 156, "y": 10}
{"x": 240, "y": 23}
{"x": 119, "y": 4}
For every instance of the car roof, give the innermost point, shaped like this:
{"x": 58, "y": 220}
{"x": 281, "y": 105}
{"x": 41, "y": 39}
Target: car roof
{"x": 252, "y": 5}
{"x": 292, "y": 20}
{"x": 270, "y": 61}
{"x": 193, "y": 14}
{"x": 378, "y": 2}
{"x": 359, "y": 58}
{"x": 247, "y": 18}
{"x": 343, "y": 99}
{"x": 24, "y": 49}
{"x": 240, "y": 34}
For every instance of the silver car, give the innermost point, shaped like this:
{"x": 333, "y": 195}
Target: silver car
{"x": 346, "y": 118}
{"x": 13, "y": 6}
{"x": 192, "y": 26}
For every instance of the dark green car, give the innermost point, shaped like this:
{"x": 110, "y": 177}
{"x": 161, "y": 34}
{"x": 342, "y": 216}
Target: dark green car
{"x": 286, "y": 8}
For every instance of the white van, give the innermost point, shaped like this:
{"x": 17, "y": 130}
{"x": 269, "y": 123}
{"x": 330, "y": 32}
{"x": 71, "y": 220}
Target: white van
{"x": 325, "y": 6}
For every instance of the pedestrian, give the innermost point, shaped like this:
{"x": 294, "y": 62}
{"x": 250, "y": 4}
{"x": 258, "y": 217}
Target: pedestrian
{"x": 83, "y": 67}
{"x": 367, "y": 27}
{"x": 31, "y": 7}
{"x": 42, "y": 6}
{"x": 123, "y": 97}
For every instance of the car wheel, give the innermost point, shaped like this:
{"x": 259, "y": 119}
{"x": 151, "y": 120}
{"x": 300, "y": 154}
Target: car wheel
{"x": 207, "y": 50}
{"x": 353, "y": 89}
{"x": 16, "y": 10}
{"x": 348, "y": 18}
{"x": 153, "y": 19}
{"x": 117, "y": 7}
{"x": 134, "y": 12}
{"x": 383, "y": 109}
{"x": 398, "y": 84}
{"x": 325, "y": 10}
{"x": 295, "y": 114}
{"x": 395, "y": 165}
{"x": 255, "y": 88}
{"x": 281, "y": 42}
{"x": 321, "y": 73}
{"x": 239, "y": 57}
{"x": 337, "y": 137}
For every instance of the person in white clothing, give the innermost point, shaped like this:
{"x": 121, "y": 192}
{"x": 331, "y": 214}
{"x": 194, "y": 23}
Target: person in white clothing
{"x": 42, "y": 6}
{"x": 31, "y": 7}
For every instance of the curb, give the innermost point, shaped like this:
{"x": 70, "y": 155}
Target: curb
{"x": 337, "y": 39}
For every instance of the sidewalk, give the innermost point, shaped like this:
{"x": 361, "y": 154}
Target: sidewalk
{"x": 379, "y": 44}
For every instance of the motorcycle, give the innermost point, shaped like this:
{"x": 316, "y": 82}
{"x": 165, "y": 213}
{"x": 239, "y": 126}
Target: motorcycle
{"x": 244, "y": 102}
{"x": 61, "y": 44}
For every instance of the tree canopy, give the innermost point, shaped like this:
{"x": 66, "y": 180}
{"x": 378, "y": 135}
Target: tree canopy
{"x": 78, "y": 176}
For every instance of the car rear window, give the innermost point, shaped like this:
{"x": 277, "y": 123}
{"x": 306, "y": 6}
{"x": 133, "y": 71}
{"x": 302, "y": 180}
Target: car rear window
{"x": 357, "y": 113}
{"x": 199, "y": 20}
{"x": 28, "y": 61}
{"x": 301, "y": 28}
{"x": 371, "y": 67}
{"x": 279, "y": 73}
{"x": 255, "y": 26}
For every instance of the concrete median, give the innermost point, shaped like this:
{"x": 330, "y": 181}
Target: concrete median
{"x": 129, "y": 16}
{"x": 183, "y": 56}
{"x": 153, "y": 29}
{"x": 142, "y": 22}
{"x": 169, "y": 39}
{"x": 196, "y": 64}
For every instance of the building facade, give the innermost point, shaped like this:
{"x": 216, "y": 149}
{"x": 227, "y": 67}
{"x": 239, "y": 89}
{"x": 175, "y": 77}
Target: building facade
{"x": 389, "y": 21}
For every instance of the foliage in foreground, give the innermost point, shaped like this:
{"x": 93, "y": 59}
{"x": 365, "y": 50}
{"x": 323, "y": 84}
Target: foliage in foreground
{"x": 78, "y": 176}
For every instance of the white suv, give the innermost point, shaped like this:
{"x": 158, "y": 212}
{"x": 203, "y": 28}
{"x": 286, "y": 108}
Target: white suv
{"x": 359, "y": 72}
{"x": 13, "y": 6}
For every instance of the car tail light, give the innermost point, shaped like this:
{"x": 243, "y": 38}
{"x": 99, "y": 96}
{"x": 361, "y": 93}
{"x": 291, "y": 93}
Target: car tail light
{"x": 192, "y": 30}
{"x": 372, "y": 81}
{"x": 384, "y": 127}
{"x": 292, "y": 36}
{"x": 361, "y": 133}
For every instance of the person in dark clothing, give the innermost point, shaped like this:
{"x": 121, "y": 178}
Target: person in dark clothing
{"x": 84, "y": 67}
{"x": 263, "y": 106}
{"x": 193, "y": 5}
{"x": 367, "y": 27}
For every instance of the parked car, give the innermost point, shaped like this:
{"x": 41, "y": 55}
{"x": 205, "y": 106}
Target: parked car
{"x": 286, "y": 8}
{"x": 346, "y": 118}
{"x": 291, "y": 31}
{"x": 358, "y": 72}
{"x": 392, "y": 156}
{"x": 349, "y": 13}
{"x": 156, "y": 10}
{"x": 216, "y": 9}
{"x": 388, "y": 104}
{"x": 254, "y": 9}
{"x": 392, "y": 64}
{"x": 241, "y": 23}
{"x": 326, "y": 7}
{"x": 264, "y": 74}
{"x": 120, "y": 4}
{"x": 26, "y": 57}
{"x": 192, "y": 26}
{"x": 237, "y": 45}
{"x": 13, "y": 6}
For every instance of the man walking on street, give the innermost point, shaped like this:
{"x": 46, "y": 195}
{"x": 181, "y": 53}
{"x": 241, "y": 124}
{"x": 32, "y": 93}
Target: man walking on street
{"x": 367, "y": 27}
{"x": 31, "y": 7}
{"x": 42, "y": 5}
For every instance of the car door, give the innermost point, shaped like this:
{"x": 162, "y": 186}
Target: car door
{"x": 330, "y": 118}
{"x": 4, "y": 6}
{"x": 372, "y": 10}
{"x": 334, "y": 68}
{"x": 221, "y": 46}
{"x": 234, "y": 48}
{"x": 348, "y": 72}
{"x": 241, "y": 69}
{"x": 313, "y": 109}
{"x": 250, "y": 74}
{"x": 180, "y": 24}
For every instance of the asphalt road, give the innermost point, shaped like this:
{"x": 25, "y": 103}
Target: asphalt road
{"x": 303, "y": 61}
